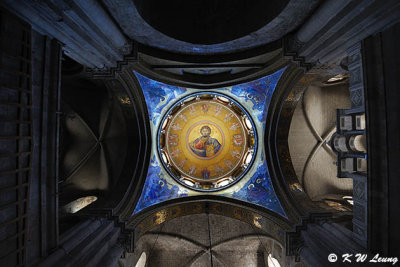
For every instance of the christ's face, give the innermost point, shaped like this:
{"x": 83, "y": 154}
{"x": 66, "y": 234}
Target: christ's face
{"x": 205, "y": 131}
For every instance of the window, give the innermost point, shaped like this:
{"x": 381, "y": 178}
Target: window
{"x": 142, "y": 260}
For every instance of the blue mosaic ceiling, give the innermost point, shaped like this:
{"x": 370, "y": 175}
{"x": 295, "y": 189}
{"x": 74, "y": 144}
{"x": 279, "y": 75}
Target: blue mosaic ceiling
{"x": 255, "y": 187}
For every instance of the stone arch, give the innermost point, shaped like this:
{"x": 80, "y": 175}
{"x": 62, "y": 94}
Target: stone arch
{"x": 159, "y": 225}
{"x": 263, "y": 219}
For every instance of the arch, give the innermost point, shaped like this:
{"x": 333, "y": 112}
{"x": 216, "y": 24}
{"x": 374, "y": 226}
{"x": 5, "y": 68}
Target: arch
{"x": 261, "y": 218}
{"x": 276, "y": 132}
{"x": 122, "y": 198}
{"x": 142, "y": 260}
{"x": 294, "y": 197}
{"x": 127, "y": 83}
{"x": 175, "y": 235}
{"x": 273, "y": 262}
{"x": 292, "y": 16}
{"x": 209, "y": 71}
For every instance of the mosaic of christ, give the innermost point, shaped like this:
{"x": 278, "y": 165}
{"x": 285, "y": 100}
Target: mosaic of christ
{"x": 205, "y": 146}
{"x": 205, "y": 139}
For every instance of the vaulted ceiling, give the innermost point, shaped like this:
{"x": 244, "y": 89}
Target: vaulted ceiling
{"x": 132, "y": 51}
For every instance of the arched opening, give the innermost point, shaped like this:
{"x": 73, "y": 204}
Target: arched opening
{"x": 78, "y": 204}
{"x": 199, "y": 239}
{"x": 189, "y": 231}
{"x": 308, "y": 126}
{"x": 101, "y": 137}
{"x": 208, "y": 22}
{"x": 313, "y": 125}
{"x": 273, "y": 262}
{"x": 142, "y": 260}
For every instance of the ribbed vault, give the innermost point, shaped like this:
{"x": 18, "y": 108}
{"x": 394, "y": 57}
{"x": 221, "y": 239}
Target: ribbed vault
{"x": 94, "y": 140}
{"x": 191, "y": 240}
{"x": 313, "y": 124}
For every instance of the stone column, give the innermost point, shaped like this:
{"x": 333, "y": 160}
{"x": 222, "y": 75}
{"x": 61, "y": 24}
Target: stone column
{"x": 356, "y": 88}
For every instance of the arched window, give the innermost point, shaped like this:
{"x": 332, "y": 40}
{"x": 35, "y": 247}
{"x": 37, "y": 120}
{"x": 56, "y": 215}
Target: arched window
{"x": 272, "y": 262}
{"x": 142, "y": 260}
{"x": 79, "y": 204}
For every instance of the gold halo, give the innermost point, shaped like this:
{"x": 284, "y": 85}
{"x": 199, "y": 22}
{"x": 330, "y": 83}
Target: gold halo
{"x": 205, "y": 142}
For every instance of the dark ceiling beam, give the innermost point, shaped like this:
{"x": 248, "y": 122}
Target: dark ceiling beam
{"x": 337, "y": 25}
{"x": 372, "y": 19}
{"x": 196, "y": 66}
{"x": 209, "y": 58}
{"x": 325, "y": 12}
{"x": 228, "y": 69}
{"x": 89, "y": 34}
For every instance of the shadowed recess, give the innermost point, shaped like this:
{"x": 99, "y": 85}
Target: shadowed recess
{"x": 208, "y": 21}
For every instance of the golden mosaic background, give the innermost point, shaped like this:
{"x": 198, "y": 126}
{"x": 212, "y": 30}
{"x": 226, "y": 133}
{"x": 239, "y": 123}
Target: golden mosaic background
{"x": 226, "y": 127}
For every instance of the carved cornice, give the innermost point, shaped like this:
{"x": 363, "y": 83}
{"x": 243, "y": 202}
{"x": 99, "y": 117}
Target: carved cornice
{"x": 291, "y": 46}
{"x": 111, "y": 73}
{"x": 294, "y": 241}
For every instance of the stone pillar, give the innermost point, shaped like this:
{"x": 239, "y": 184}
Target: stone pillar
{"x": 356, "y": 86}
{"x": 360, "y": 188}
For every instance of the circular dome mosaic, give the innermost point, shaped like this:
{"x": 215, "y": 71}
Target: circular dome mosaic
{"x": 207, "y": 141}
